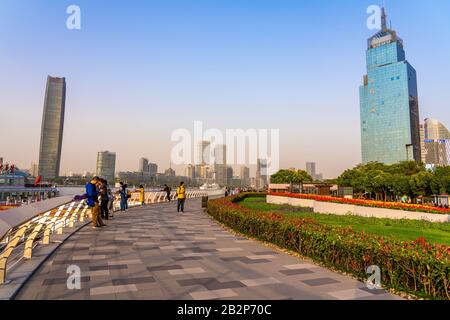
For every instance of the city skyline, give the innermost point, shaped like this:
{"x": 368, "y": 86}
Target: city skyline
{"x": 298, "y": 96}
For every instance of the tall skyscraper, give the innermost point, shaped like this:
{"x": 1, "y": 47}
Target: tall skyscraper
{"x": 220, "y": 165}
{"x": 203, "y": 153}
{"x": 153, "y": 169}
{"x": 34, "y": 170}
{"x": 435, "y": 138}
{"x": 143, "y": 165}
{"x": 106, "y": 166}
{"x": 262, "y": 178}
{"x": 52, "y": 128}
{"x": 245, "y": 176}
{"x": 311, "y": 169}
{"x": 389, "y": 102}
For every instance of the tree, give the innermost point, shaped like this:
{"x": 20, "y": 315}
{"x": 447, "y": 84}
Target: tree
{"x": 290, "y": 176}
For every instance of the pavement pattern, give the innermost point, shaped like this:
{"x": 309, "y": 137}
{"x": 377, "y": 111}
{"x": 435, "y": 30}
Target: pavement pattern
{"x": 154, "y": 253}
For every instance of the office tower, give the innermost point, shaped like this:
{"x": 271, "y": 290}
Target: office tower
{"x": 230, "y": 173}
{"x": 34, "y": 170}
{"x": 52, "y": 128}
{"x": 245, "y": 176}
{"x": 389, "y": 106}
{"x": 189, "y": 171}
{"x": 106, "y": 166}
{"x": 143, "y": 165}
{"x": 311, "y": 169}
{"x": 152, "y": 169}
{"x": 262, "y": 178}
{"x": 220, "y": 165}
{"x": 203, "y": 153}
{"x": 435, "y": 139}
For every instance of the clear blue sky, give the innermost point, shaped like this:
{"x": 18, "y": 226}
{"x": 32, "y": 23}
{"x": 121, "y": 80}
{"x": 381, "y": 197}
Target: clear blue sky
{"x": 144, "y": 68}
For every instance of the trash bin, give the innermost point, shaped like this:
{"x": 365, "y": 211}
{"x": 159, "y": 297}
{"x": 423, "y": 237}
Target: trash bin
{"x": 204, "y": 201}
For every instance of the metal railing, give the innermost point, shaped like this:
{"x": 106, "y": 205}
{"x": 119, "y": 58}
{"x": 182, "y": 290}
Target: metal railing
{"x": 25, "y": 232}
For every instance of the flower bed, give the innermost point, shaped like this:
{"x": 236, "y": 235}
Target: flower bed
{"x": 416, "y": 267}
{"x": 366, "y": 203}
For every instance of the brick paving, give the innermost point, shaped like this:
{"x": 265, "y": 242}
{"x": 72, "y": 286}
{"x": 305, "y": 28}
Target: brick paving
{"x": 154, "y": 253}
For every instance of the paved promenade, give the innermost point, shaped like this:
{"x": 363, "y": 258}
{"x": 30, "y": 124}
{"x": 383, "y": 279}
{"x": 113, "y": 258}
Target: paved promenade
{"x": 153, "y": 253}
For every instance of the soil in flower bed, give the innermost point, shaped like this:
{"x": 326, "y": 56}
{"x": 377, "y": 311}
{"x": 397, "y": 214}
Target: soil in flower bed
{"x": 405, "y": 230}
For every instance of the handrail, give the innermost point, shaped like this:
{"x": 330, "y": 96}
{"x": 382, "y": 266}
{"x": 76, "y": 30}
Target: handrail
{"x": 28, "y": 224}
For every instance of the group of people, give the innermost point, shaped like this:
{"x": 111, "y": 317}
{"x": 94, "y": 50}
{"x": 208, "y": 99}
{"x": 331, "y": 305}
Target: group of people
{"x": 100, "y": 199}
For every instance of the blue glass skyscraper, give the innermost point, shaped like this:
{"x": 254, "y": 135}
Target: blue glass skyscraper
{"x": 390, "y": 130}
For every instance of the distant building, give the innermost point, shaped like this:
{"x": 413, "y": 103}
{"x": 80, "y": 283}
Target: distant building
{"x": 203, "y": 153}
{"x": 262, "y": 178}
{"x": 152, "y": 169}
{"x": 52, "y": 128}
{"x": 106, "y": 166}
{"x": 189, "y": 171}
{"x": 220, "y": 165}
{"x": 143, "y": 165}
{"x": 311, "y": 169}
{"x": 245, "y": 176}
{"x": 34, "y": 170}
{"x": 389, "y": 104}
{"x": 230, "y": 174}
{"x": 435, "y": 139}
{"x": 170, "y": 172}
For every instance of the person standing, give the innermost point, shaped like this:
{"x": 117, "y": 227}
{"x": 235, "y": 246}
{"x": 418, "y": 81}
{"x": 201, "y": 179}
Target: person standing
{"x": 141, "y": 191}
{"x": 123, "y": 197}
{"x": 167, "y": 190}
{"x": 111, "y": 199}
{"x": 92, "y": 202}
{"x": 104, "y": 199}
{"x": 181, "y": 197}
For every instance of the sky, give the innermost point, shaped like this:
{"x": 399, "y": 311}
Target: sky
{"x": 138, "y": 70}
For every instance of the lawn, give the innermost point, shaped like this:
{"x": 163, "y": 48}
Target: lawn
{"x": 400, "y": 229}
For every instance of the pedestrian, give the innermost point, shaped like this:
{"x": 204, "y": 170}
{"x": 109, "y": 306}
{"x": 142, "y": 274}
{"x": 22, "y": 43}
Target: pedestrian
{"x": 92, "y": 202}
{"x": 123, "y": 197}
{"x": 111, "y": 199}
{"x": 104, "y": 199}
{"x": 181, "y": 197}
{"x": 167, "y": 190}
{"x": 141, "y": 191}
{"x": 127, "y": 196}
{"x": 226, "y": 192}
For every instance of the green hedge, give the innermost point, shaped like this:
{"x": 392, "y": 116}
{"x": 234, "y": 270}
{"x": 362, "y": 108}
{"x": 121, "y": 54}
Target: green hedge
{"x": 415, "y": 267}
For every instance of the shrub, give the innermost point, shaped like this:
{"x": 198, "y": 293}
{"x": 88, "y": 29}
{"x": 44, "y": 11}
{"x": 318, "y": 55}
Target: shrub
{"x": 415, "y": 267}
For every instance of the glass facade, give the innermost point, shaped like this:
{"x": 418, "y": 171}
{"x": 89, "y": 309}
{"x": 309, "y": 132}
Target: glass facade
{"x": 106, "y": 166}
{"x": 389, "y": 103}
{"x": 52, "y": 128}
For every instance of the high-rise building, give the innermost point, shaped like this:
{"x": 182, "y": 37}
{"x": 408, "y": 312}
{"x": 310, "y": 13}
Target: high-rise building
{"x": 245, "y": 176}
{"x": 389, "y": 105}
{"x": 106, "y": 166}
{"x": 52, "y": 128}
{"x": 143, "y": 165}
{"x": 34, "y": 170}
{"x": 435, "y": 139}
{"x": 220, "y": 165}
{"x": 230, "y": 173}
{"x": 203, "y": 153}
{"x": 152, "y": 169}
{"x": 262, "y": 178}
{"x": 311, "y": 169}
